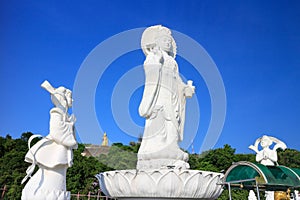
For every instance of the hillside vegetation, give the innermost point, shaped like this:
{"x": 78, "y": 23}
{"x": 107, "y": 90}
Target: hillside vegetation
{"x": 81, "y": 176}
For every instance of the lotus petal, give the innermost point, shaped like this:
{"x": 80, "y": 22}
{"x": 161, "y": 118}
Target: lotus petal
{"x": 164, "y": 183}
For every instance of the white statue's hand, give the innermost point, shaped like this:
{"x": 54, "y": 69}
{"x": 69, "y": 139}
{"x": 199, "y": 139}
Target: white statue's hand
{"x": 254, "y": 148}
{"x": 189, "y": 90}
{"x": 158, "y": 55}
{"x": 265, "y": 155}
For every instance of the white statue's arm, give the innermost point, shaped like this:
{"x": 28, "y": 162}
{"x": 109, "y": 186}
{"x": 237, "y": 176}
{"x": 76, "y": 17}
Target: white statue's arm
{"x": 255, "y": 146}
{"x": 154, "y": 58}
{"x": 272, "y": 155}
{"x": 259, "y": 156}
{"x": 279, "y": 144}
{"x": 266, "y": 154}
{"x": 61, "y": 131}
{"x": 152, "y": 68}
{"x": 188, "y": 90}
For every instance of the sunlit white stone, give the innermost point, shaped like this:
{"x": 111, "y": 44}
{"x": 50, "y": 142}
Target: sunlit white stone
{"x": 161, "y": 184}
{"x": 53, "y": 153}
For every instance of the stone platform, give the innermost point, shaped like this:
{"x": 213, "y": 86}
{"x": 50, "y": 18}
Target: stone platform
{"x": 161, "y": 184}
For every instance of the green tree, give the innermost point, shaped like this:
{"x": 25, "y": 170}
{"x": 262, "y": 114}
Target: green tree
{"x": 235, "y": 194}
{"x": 81, "y": 176}
{"x": 194, "y": 161}
{"x": 120, "y": 157}
{"x": 25, "y": 136}
{"x": 12, "y": 165}
{"x": 245, "y": 157}
{"x": 289, "y": 158}
{"x": 219, "y": 159}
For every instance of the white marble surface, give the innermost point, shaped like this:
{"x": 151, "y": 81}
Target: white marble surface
{"x": 161, "y": 184}
{"x": 252, "y": 195}
{"x": 53, "y": 153}
{"x": 162, "y": 167}
{"x": 163, "y": 103}
{"x": 297, "y": 195}
{"x": 266, "y": 155}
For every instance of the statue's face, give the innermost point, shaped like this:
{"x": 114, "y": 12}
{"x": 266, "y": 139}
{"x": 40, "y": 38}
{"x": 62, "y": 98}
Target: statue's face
{"x": 165, "y": 43}
{"x": 265, "y": 142}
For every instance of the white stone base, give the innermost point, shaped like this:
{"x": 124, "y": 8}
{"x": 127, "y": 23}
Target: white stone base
{"x": 161, "y": 184}
{"x": 46, "y": 195}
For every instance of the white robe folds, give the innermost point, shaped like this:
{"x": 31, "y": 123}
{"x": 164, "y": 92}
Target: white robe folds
{"x": 163, "y": 106}
{"x": 56, "y": 148}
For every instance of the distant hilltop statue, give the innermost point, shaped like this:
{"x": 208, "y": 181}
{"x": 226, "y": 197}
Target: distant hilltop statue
{"x": 96, "y": 150}
{"x": 104, "y": 140}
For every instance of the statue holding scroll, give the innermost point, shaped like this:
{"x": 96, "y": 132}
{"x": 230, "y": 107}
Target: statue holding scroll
{"x": 53, "y": 153}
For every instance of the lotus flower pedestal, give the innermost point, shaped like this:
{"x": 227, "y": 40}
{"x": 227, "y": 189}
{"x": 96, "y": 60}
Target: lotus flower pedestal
{"x": 161, "y": 184}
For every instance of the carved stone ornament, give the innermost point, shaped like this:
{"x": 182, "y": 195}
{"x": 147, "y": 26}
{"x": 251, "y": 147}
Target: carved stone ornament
{"x": 161, "y": 184}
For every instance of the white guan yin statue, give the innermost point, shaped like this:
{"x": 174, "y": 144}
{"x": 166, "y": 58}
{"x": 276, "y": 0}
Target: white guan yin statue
{"x": 53, "y": 153}
{"x": 162, "y": 171}
{"x": 163, "y": 103}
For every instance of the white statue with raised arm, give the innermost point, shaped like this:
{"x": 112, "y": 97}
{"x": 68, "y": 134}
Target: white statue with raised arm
{"x": 163, "y": 103}
{"x": 53, "y": 153}
{"x": 267, "y": 156}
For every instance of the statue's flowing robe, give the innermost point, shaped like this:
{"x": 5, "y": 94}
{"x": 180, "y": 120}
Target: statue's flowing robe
{"x": 53, "y": 155}
{"x": 163, "y": 106}
{"x": 56, "y": 148}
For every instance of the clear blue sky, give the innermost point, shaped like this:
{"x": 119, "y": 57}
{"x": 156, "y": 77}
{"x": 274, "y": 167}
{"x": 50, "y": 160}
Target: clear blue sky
{"x": 255, "y": 45}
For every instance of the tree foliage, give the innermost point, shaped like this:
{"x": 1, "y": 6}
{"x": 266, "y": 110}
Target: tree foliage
{"x": 12, "y": 165}
{"x": 81, "y": 176}
{"x": 290, "y": 158}
{"x": 215, "y": 160}
{"x": 121, "y": 156}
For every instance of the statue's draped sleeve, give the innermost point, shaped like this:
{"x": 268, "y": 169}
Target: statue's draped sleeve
{"x": 61, "y": 129}
{"x": 152, "y": 68}
{"x": 56, "y": 148}
{"x": 182, "y": 102}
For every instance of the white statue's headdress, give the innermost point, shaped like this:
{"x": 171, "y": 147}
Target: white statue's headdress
{"x": 61, "y": 91}
{"x": 151, "y": 34}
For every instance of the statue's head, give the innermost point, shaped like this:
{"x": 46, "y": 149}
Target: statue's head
{"x": 158, "y": 36}
{"x": 265, "y": 141}
{"x": 62, "y": 97}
